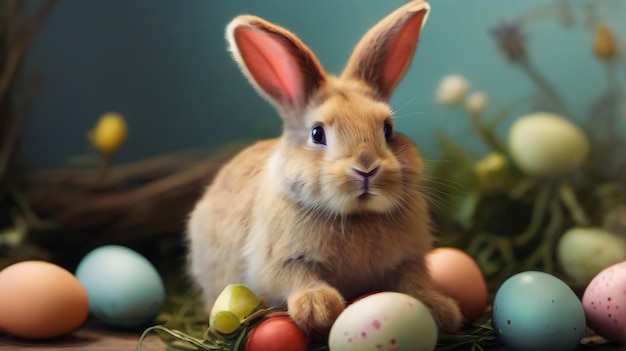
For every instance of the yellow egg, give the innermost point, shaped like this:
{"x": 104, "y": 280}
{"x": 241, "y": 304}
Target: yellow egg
{"x": 109, "y": 133}
{"x": 457, "y": 275}
{"x": 39, "y": 300}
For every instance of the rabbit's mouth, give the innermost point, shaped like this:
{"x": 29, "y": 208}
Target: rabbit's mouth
{"x": 365, "y": 196}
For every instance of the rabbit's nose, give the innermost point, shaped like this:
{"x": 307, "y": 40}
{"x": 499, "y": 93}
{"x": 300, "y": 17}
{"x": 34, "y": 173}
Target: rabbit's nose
{"x": 366, "y": 178}
{"x": 366, "y": 175}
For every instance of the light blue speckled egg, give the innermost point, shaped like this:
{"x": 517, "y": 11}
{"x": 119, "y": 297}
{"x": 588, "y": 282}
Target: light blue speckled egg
{"x": 537, "y": 311}
{"x": 124, "y": 288}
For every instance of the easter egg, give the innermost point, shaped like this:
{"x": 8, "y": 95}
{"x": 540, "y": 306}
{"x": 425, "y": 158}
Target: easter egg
{"x": 456, "y": 274}
{"x": 604, "y": 302}
{"x": 381, "y": 321}
{"x": 584, "y": 252}
{"x": 124, "y": 289}
{"x": 537, "y": 311}
{"x": 234, "y": 303}
{"x": 276, "y": 333}
{"x": 545, "y": 144}
{"x": 40, "y": 300}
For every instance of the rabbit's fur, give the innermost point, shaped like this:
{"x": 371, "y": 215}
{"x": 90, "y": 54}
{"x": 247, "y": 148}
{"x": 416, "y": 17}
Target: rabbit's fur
{"x": 310, "y": 224}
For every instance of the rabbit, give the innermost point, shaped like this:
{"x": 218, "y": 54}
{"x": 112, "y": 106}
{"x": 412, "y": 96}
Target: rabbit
{"x": 334, "y": 208}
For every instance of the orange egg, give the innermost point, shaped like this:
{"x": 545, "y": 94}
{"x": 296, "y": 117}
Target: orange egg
{"x": 457, "y": 275}
{"x": 39, "y": 300}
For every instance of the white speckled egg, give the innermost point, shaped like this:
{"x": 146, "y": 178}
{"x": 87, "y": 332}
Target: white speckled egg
{"x": 124, "y": 288}
{"x": 537, "y": 311}
{"x": 585, "y": 251}
{"x": 604, "y": 301}
{"x": 384, "y": 321}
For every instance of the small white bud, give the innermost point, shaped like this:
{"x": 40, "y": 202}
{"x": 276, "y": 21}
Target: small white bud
{"x": 476, "y": 103}
{"x": 451, "y": 90}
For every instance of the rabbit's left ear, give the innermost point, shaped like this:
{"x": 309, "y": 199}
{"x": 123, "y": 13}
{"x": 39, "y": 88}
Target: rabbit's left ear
{"x": 385, "y": 52}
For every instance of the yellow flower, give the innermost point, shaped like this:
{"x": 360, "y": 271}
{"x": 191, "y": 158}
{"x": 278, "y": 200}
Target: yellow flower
{"x": 109, "y": 133}
{"x": 604, "y": 43}
{"x": 491, "y": 172}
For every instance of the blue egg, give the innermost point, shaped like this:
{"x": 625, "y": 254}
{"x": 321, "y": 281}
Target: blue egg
{"x": 537, "y": 311}
{"x": 124, "y": 288}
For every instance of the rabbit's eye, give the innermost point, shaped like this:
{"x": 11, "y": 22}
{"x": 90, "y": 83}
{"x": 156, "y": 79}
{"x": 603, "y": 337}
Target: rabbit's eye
{"x": 388, "y": 129}
{"x": 318, "y": 136}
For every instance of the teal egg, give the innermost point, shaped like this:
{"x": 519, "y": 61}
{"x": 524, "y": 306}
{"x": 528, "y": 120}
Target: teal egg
{"x": 124, "y": 288}
{"x": 537, "y": 311}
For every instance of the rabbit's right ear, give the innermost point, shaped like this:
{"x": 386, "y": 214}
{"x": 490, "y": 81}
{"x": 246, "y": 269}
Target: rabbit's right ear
{"x": 276, "y": 63}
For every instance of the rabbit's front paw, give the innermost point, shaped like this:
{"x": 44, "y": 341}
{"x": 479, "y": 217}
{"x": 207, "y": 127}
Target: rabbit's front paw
{"x": 315, "y": 309}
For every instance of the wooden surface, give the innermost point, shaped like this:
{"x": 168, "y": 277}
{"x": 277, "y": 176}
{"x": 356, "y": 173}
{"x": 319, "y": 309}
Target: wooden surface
{"x": 94, "y": 337}
{"x": 91, "y": 337}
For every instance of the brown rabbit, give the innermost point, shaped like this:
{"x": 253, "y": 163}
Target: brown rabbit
{"x": 333, "y": 209}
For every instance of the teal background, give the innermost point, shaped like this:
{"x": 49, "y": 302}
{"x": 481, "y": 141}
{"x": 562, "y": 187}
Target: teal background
{"x": 163, "y": 64}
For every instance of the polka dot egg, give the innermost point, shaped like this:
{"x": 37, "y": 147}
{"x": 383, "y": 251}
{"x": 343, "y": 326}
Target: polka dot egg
{"x": 604, "y": 302}
{"x": 384, "y": 321}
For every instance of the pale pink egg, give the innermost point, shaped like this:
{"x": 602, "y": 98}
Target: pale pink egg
{"x": 604, "y": 302}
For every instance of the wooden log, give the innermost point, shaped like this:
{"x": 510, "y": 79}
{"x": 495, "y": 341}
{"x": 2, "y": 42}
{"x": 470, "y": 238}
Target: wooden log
{"x": 144, "y": 199}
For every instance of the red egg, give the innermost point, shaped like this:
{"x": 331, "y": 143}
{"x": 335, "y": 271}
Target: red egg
{"x": 276, "y": 333}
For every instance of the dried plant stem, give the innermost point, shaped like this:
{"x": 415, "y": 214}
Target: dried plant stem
{"x": 130, "y": 203}
{"x": 543, "y": 255}
{"x": 612, "y": 102}
{"x": 486, "y": 135}
{"x": 539, "y": 211}
{"x": 7, "y": 148}
{"x": 105, "y": 168}
{"x": 568, "y": 197}
{"x": 197, "y": 343}
{"x": 19, "y": 33}
{"x": 19, "y": 39}
{"x": 542, "y": 83}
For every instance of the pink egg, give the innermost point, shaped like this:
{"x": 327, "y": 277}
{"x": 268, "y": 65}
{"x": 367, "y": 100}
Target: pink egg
{"x": 604, "y": 302}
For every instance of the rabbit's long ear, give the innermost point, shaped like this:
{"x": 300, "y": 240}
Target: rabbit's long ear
{"x": 385, "y": 52}
{"x": 275, "y": 61}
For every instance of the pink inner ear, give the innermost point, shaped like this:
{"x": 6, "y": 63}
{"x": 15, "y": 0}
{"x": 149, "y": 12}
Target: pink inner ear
{"x": 269, "y": 62}
{"x": 400, "y": 52}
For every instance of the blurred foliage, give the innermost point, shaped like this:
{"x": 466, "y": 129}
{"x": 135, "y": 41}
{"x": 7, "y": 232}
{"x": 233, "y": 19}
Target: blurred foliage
{"x": 511, "y": 221}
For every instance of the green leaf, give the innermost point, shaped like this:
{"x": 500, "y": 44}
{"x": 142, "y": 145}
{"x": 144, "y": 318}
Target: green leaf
{"x": 467, "y": 208}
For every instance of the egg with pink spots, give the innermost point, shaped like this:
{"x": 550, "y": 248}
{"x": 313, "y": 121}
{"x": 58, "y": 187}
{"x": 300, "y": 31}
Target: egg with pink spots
{"x": 604, "y": 302}
{"x": 384, "y": 321}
